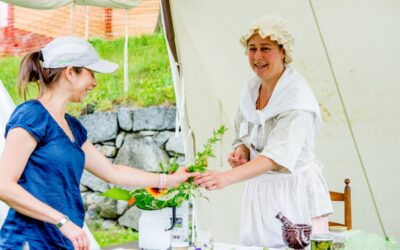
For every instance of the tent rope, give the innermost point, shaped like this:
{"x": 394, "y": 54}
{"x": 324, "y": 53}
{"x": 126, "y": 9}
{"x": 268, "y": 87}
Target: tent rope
{"x": 347, "y": 118}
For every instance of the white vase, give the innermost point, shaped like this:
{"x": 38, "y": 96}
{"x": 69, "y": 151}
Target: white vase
{"x": 153, "y": 225}
{"x": 202, "y": 222}
{"x": 180, "y": 232}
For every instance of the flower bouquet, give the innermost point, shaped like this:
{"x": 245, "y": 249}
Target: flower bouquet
{"x": 154, "y": 198}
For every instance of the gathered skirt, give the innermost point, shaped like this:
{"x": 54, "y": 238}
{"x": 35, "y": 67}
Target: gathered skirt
{"x": 300, "y": 196}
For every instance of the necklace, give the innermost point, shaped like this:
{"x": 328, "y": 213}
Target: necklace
{"x": 260, "y": 105}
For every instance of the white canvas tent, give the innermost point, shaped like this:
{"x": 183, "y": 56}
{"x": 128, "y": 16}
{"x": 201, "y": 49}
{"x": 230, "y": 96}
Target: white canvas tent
{"x": 346, "y": 49}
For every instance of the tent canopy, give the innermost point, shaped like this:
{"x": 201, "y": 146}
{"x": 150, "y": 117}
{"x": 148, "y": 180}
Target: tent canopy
{"x": 347, "y": 50}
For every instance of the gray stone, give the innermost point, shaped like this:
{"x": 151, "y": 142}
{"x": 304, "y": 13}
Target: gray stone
{"x": 108, "y": 143}
{"x": 125, "y": 118}
{"x": 83, "y": 195}
{"x": 121, "y": 207}
{"x": 154, "y": 118}
{"x": 141, "y": 152}
{"x": 162, "y": 138}
{"x": 120, "y": 139}
{"x": 147, "y": 133}
{"x": 91, "y": 212}
{"x": 106, "y": 150}
{"x": 100, "y": 126}
{"x": 90, "y": 199}
{"x": 83, "y": 188}
{"x": 181, "y": 160}
{"x": 123, "y": 187}
{"x": 107, "y": 208}
{"x": 107, "y": 224}
{"x": 131, "y": 218}
{"x": 175, "y": 144}
{"x": 93, "y": 182}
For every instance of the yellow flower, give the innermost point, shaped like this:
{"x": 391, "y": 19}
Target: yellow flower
{"x": 156, "y": 192}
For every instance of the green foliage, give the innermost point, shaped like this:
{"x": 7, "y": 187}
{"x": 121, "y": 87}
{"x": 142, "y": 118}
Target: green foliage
{"x": 118, "y": 194}
{"x": 8, "y": 75}
{"x": 113, "y": 236}
{"x": 200, "y": 163}
{"x": 170, "y": 168}
{"x": 154, "y": 198}
{"x": 150, "y": 80}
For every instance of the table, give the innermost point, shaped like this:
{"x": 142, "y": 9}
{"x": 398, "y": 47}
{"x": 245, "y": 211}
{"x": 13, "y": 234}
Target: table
{"x": 355, "y": 240}
{"x": 217, "y": 246}
{"x": 129, "y": 246}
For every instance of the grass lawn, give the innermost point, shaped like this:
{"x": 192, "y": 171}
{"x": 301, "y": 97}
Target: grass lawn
{"x": 113, "y": 236}
{"x": 150, "y": 80}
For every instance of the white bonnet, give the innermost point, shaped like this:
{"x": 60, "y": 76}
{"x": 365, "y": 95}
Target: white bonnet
{"x": 276, "y": 29}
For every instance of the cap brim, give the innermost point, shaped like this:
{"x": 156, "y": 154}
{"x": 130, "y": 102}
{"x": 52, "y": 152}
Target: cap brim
{"x": 103, "y": 66}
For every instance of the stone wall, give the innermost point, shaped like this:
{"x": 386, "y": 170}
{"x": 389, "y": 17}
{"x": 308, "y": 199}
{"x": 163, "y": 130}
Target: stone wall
{"x": 135, "y": 137}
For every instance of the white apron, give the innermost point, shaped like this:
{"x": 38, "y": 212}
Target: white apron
{"x": 301, "y": 193}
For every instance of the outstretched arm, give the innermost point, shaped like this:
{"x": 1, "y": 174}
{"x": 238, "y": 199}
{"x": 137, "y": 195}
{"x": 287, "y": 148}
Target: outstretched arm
{"x": 98, "y": 165}
{"x": 19, "y": 146}
{"x": 216, "y": 180}
{"x": 285, "y": 142}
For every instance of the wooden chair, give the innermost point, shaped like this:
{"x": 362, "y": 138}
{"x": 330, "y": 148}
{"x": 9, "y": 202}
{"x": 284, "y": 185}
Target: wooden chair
{"x": 346, "y": 198}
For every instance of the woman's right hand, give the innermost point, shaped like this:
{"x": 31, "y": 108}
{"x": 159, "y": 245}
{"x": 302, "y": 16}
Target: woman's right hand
{"x": 212, "y": 180}
{"x": 239, "y": 156}
{"x": 76, "y": 235}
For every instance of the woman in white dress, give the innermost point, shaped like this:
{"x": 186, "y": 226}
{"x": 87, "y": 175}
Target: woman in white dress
{"x": 275, "y": 128}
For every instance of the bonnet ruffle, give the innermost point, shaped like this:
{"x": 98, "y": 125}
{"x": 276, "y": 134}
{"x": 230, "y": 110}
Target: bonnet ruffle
{"x": 274, "y": 27}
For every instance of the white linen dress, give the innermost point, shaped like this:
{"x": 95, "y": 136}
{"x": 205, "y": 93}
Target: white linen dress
{"x": 283, "y": 131}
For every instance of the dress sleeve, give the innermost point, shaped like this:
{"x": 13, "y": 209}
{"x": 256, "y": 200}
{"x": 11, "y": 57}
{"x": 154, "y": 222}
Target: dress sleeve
{"x": 238, "y": 119}
{"x": 31, "y": 118}
{"x": 288, "y": 137}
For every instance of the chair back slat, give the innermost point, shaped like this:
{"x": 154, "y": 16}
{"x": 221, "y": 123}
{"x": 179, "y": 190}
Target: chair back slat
{"x": 346, "y": 198}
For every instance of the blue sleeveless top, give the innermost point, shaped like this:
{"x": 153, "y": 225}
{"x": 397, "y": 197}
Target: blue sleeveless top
{"x": 52, "y": 174}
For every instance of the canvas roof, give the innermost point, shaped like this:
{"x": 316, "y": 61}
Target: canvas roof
{"x": 347, "y": 50}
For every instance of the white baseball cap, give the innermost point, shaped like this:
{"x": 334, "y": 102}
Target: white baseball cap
{"x": 74, "y": 51}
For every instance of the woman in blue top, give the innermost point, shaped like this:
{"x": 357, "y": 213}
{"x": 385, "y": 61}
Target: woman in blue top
{"x": 46, "y": 151}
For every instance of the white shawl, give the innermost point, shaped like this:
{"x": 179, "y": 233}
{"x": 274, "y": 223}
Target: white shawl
{"x": 292, "y": 92}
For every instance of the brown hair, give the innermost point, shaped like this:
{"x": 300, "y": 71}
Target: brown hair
{"x": 32, "y": 71}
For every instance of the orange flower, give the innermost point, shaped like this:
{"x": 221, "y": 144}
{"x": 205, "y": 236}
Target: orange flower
{"x": 156, "y": 192}
{"x": 131, "y": 201}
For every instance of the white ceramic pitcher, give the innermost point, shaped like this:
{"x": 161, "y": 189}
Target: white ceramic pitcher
{"x": 153, "y": 229}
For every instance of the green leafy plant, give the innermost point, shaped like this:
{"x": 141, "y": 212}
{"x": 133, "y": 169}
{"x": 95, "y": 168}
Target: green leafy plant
{"x": 154, "y": 198}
